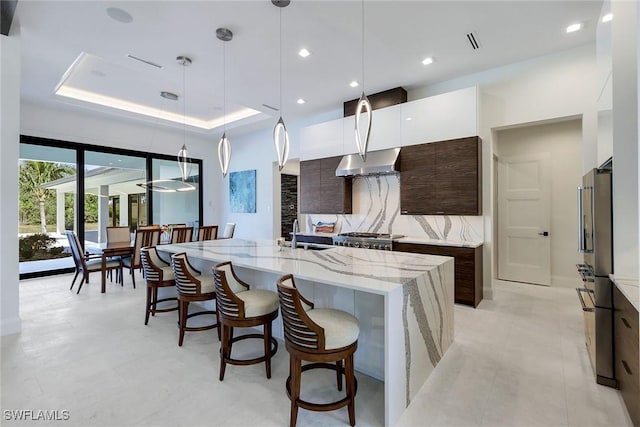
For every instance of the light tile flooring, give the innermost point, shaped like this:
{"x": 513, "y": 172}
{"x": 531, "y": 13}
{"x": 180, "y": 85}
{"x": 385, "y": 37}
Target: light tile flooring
{"x": 518, "y": 360}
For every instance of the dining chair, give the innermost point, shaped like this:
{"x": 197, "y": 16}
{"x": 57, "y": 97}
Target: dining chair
{"x": 321, "y": 336}
{"x": 148, "y": 227}
{"x": 229, "y": 229}
{"x": 143, "y": 238}
{"x": 181, "y": 234}
{"x": 86, "y": 264}
{"x": 207, "y": 232}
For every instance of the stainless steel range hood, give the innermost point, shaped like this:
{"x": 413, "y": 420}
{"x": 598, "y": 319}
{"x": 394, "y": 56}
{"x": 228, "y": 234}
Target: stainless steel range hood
{"x": 381, "y": 162}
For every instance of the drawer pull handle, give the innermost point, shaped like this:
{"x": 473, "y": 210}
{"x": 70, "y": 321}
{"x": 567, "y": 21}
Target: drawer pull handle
{"x": 626, "y": 368}
{"x": 625, "y": 322}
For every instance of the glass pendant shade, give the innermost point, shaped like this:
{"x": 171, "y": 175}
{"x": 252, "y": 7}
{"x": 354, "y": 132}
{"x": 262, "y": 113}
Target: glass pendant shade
{"x": 363, "y": 110}
{"x": 183, "y": 163}
{"x": 281, "y": 141}
{"x": 224, "y": 154}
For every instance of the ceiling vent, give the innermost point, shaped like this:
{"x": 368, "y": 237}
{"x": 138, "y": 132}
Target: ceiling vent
{"x": 473, "y": 40}
{"x": 144, "y": 61}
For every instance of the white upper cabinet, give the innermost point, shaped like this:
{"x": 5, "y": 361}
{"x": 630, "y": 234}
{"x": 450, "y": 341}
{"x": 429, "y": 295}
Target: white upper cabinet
{"x": 447, "y": 116}
{"x": 385, "y": 130}
{"x": 321, "y": 140}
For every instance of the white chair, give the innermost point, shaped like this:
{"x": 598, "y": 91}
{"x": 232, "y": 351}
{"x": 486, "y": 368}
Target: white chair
{"x": 229, "y": 229}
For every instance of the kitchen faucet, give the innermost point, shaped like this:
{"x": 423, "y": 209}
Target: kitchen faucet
{"x": 294, "y": 239}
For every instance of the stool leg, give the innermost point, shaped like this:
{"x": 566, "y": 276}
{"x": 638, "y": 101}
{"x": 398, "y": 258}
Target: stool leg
{"x": 155, "y": 300}
{"x": 267, "y": 348}
{"x": 351, "y": 389}
{"x": 295, "y": 373}
{"x": 223, "y": 349}
{"x": 339, "y": 374}
{"x": 184, "y": 308}
{"x": 148, "y": 306}
{"x": 218, "y": 321}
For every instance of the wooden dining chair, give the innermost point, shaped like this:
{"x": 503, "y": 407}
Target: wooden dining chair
{"x": 207, "y": 232}
{"x": 142, "y": 239}
{"x": 86, "y": 264}
{"x": 181, "y": 234}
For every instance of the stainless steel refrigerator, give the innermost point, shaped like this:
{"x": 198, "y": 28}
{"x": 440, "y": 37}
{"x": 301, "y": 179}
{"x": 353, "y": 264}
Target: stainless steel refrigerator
{"x": 595, "y": 241}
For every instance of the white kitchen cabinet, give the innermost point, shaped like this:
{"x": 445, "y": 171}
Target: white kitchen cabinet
{"x": 322, "y": 140}
{"x": 450, "y": 115}
{"x": 385, "y": 130}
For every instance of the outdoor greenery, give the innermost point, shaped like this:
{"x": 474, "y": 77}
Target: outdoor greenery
{"x": 39, "y": 246}
{"x": 37, "y": 205}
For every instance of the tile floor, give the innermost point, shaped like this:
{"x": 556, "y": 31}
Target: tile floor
{"x": 518, "y": 360}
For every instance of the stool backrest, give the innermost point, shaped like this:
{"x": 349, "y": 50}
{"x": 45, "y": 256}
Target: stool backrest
{"x": 207, "y": 232}
{"x": 299, "y": 330}
{"x": 152, "y": 264}
{"x": 227, "y": 286}
{"x": 229, "y": 229}
{"x": 144, "y": 238}
{"x": 186, "y": 279}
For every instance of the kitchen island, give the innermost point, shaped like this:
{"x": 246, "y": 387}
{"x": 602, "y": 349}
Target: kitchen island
{"x": 404, "y": 301}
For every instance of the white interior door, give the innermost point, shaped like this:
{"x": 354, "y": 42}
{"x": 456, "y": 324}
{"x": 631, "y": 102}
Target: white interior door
{"x": 524, "y": 211}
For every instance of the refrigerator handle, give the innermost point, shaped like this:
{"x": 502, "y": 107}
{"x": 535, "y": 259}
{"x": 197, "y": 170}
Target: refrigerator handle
{"x": 581, "y": 246}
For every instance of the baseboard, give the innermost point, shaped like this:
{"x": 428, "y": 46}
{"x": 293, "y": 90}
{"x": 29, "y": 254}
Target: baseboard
{"x": 10, "y": 326}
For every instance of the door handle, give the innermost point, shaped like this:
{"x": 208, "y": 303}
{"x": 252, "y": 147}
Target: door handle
{"x": 543, "y": 233}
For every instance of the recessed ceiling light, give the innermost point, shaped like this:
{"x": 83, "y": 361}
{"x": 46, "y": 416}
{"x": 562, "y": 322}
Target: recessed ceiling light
{"x": 300, "y": 101}
{"x": 608, "y": 17}
{"x": 119, "y": 15}
{"x": 304, "y": 52}
{"x": 408, "y": 119}
{"x": 574, "y": 27}
{"x": 428, "y": 60}
{"x": 354, "y": 84}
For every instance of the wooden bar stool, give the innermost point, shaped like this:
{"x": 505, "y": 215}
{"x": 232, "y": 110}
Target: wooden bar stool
{"x": 192, "y": 286}
{"x": 321, "y": 336}
{"x": 240, "y": 307}
{"x": 207, "y": 232}
{"x": 159, "y": 274}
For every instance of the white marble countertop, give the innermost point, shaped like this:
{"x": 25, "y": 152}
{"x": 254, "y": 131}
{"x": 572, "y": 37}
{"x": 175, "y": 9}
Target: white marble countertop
{"x": 415, "y": 240}
{"x": 365, "y": 270}
{"x": 629, "y": 288}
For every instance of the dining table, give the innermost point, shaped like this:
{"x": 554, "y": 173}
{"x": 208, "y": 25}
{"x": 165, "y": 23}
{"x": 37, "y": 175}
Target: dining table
{"x": 109, "y": 250}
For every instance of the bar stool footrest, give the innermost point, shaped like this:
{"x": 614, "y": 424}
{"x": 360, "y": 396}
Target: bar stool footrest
{"x": 323, "y": 407}
{"x": 200, "y": 328}
{"x": 232, "y": 361}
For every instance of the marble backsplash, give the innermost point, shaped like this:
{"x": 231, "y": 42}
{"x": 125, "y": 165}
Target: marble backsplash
{"x": 376, "y": 209}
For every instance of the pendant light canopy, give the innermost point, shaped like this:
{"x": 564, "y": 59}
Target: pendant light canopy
{"x": 183, "y": 155}
{"x": 280, "y": 134}
{"x": 224, "y": 146}
{"x": 363, "y": 110}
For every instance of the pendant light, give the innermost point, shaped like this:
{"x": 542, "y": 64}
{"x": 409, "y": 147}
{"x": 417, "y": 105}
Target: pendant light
{"x": 224, "y": 147}
{"x": 183, "y": 155}
{"x": 280, "y": 134}
{"x": 363, "y": 109}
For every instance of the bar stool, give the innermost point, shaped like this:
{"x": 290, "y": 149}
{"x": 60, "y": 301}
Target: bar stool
{"x": 159, "y": 274}
{"x": 192, "y": 286}
{"x": 240, "y": 307}
{"x": 319, "y": 336}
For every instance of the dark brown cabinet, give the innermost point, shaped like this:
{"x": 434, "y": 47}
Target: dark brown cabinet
{"x": 627, "y": 361}
{"x": 467, "y": 265}
{"x": 321, "y": 191}
{"x": 442, "y": 178}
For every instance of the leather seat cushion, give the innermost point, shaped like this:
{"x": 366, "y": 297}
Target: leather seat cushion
{"x": 340, "y": 328}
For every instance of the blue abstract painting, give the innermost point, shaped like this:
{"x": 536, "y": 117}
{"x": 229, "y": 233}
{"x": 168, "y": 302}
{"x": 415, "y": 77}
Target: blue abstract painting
{"x": 242, "y": 191}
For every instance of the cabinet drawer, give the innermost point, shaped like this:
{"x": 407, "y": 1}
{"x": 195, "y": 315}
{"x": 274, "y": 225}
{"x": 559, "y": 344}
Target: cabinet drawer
{"x": 625, "y": 315}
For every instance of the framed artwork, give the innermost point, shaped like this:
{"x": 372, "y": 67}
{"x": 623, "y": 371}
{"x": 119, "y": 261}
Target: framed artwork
{"x": 242, "y": 191}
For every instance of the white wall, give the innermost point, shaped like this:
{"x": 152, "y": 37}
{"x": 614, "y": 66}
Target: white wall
{"x": 9, "y": 141}
{"x": 563, "y": 141}
{"x": 88, "y": 128}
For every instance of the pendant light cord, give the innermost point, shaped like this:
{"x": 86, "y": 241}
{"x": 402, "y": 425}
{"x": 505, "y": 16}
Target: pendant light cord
{"x": 184, "y": 103}
{"x": 281, "y": 109}
{"x": 224, "y": 87}
{"x": 362, "y": 46}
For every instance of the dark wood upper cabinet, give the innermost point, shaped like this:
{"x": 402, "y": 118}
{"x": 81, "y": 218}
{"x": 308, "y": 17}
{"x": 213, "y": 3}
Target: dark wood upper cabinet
{"x": 321, "y": 191}
{"x": 442, "y": 178}
{"x": 378, "y": 100}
